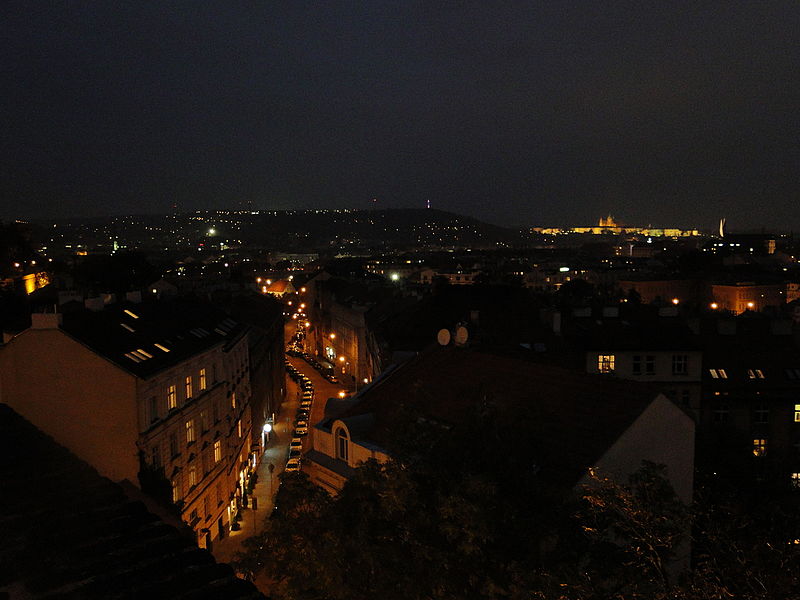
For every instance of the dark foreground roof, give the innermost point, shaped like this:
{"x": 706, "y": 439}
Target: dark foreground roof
{"x": 69, "y": 533}
{"x": 564, "y": 420}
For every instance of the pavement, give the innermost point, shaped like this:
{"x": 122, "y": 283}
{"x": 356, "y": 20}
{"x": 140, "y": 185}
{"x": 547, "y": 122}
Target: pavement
{"x": 275, "y": 453}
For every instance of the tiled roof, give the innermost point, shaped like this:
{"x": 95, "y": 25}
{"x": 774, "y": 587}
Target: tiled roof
{"x": 149, "y": 337}
{"x": 69, "y": 533}
{"x": 564, "y": 420}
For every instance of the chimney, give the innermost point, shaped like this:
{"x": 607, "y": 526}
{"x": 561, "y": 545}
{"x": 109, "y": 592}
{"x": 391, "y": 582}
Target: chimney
{"x": 46, "y": 320}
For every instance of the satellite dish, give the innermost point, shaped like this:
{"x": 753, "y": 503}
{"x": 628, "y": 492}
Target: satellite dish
{"x": 443, "y": 337}
{"x": 461, "y": 335}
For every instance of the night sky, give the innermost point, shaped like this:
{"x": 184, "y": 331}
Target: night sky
{"x": 519, "y": 113}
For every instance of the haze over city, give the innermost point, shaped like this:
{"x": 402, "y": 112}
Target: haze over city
{"x": 519, "y": 114}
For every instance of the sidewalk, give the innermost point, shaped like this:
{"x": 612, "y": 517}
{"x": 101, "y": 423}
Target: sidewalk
{"x": 276, "y": 453}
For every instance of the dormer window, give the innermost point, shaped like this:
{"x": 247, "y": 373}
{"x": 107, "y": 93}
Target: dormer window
{"x": 755, "y": 374}
{"x": 718, "y": 373}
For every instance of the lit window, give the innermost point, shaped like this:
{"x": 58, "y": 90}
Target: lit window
{"x": 217, "y": 451}
{"x": 797, "y": 413}
{"x": 759, "y": 447}
{"x": 605, "y": 363}
{"x": 680, "y": 364}
{"x": 192, "y": 476}
{"x": 722, "y": 373}
{"x": 190, "y": 431}
{"x": 239, "y": 427}
{"x": 795, "y": 479}
{"x": 755, "y": 374}
{"x": 718, "y": 373}
{"x": 176, "y": 494}
{"x": 233, "y": 400}
{"x": 188, "y": 386}
{"x": 341, "y": 444}
{"x": 172, "y": 397}
{"x": 202, "y": 379}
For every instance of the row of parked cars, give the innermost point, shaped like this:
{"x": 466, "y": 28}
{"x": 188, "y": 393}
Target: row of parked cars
{"x": 301, "y": 417}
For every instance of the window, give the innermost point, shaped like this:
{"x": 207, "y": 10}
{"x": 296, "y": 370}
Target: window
{"x": 173, "y": 444}
{"x": 680, "y": 364}
{"x": 755, "y": 374}
{"x": 795, "y": 479}
{"x": 718, "y": 373}
{"x": 155, "y": 456}
{"x": 650, "y": 365}
{"x": 721, "y": 413}
{"x": 172, "y": 397}
{"x": 215, "y": 409}
{"x": 341, "y": 444}
{"x": 188, "y": 386}
{"x": 685, "y": 397}
{"x": 239, "y": 427}
{"x": 219, "y": 494}
{"x": 202, "y": 379}
{"x": 192, "y": 476}
{"x": 190, "y": 431}
{"x": 176, "y": 493}
{"x": 761, "y": 414}
{"x": 203, "y": 421}
{"x": 153, "y": 408}
{"x": 797, "y": 413}
{"x": 637, "y": 364}
{"x": 233, "y": 400}
{"x": 605, "y": 363}
{"x": 217, "y": 451}
{"x": 205, "y": 508}
{"x": 759, "y": 447}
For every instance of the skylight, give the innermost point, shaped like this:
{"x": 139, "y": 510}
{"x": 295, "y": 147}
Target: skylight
{"x": 129, "y": 313}
{"x": 128, "y": 327}
{"x": 162, "y": 348}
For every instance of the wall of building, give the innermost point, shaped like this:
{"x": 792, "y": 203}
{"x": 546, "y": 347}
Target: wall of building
{"x": 83, "y": 401}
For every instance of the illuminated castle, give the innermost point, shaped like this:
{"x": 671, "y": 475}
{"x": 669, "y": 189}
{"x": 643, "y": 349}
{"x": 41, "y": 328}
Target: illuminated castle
{"x": 608, "y": 225}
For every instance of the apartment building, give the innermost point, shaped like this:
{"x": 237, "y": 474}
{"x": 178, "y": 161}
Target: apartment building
{"x": 155, "y": 393}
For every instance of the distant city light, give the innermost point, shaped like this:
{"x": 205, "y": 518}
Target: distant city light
{"x": 302, "y": 289}
{"x": 676, "y": 301}
{"x": 342, "y": 394}
{"x": 564, "y": 269}
{"x": 212, "y": 231}
{"x": 308, "y": 324}
{"x": 751, "y": 304}
{"x": 332, "y": 336}
{"x": 395, "y": 276}
{"x": 341, "y": 359}
{"x": 714, "y": 305}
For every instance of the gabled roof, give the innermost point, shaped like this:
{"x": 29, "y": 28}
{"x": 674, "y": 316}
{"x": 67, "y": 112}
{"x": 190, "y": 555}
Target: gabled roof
{"x": 70, "y": 533}
{"x": 564, "y": 420}
{"x": 149, "y": 337}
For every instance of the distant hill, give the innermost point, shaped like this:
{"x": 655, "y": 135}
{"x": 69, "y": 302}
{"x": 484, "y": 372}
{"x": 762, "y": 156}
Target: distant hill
{"x": 289, "y": 230}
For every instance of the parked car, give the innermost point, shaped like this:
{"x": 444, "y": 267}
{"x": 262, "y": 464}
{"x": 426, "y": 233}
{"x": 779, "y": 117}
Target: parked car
{"x": 300, "y": 431}
{"x": 293, "y": 465}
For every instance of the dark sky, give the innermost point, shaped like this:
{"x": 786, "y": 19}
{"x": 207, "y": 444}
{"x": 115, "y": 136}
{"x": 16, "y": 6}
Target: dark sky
{"x": 520, "y": 113}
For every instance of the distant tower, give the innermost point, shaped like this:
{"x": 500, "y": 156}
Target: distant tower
{"x": 428, "y": 203}
{"x": 608, "y": 221}
{"x": 722, "y": 227}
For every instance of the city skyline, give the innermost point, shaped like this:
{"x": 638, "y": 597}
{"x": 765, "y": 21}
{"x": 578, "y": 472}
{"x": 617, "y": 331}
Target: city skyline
{"x": 518, "y": 115}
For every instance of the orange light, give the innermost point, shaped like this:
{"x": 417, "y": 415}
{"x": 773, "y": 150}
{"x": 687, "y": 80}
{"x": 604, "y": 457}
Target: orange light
{"x": 714, "y": 305}
{"x": 341, "y": 359}
{"x": 751, "y": 304}
{"x": 342, "y": 394}
{"x": 332, "y": 336}
{"x": 675, "y": 301}
{"x": 308, "y": 324}
{"x": 258, "y": 279}
{"x": 303, "y": 290}
{"x": 302, "y": 306}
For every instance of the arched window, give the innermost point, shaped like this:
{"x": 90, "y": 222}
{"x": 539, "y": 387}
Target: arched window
{"x": 341, "y": 444}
